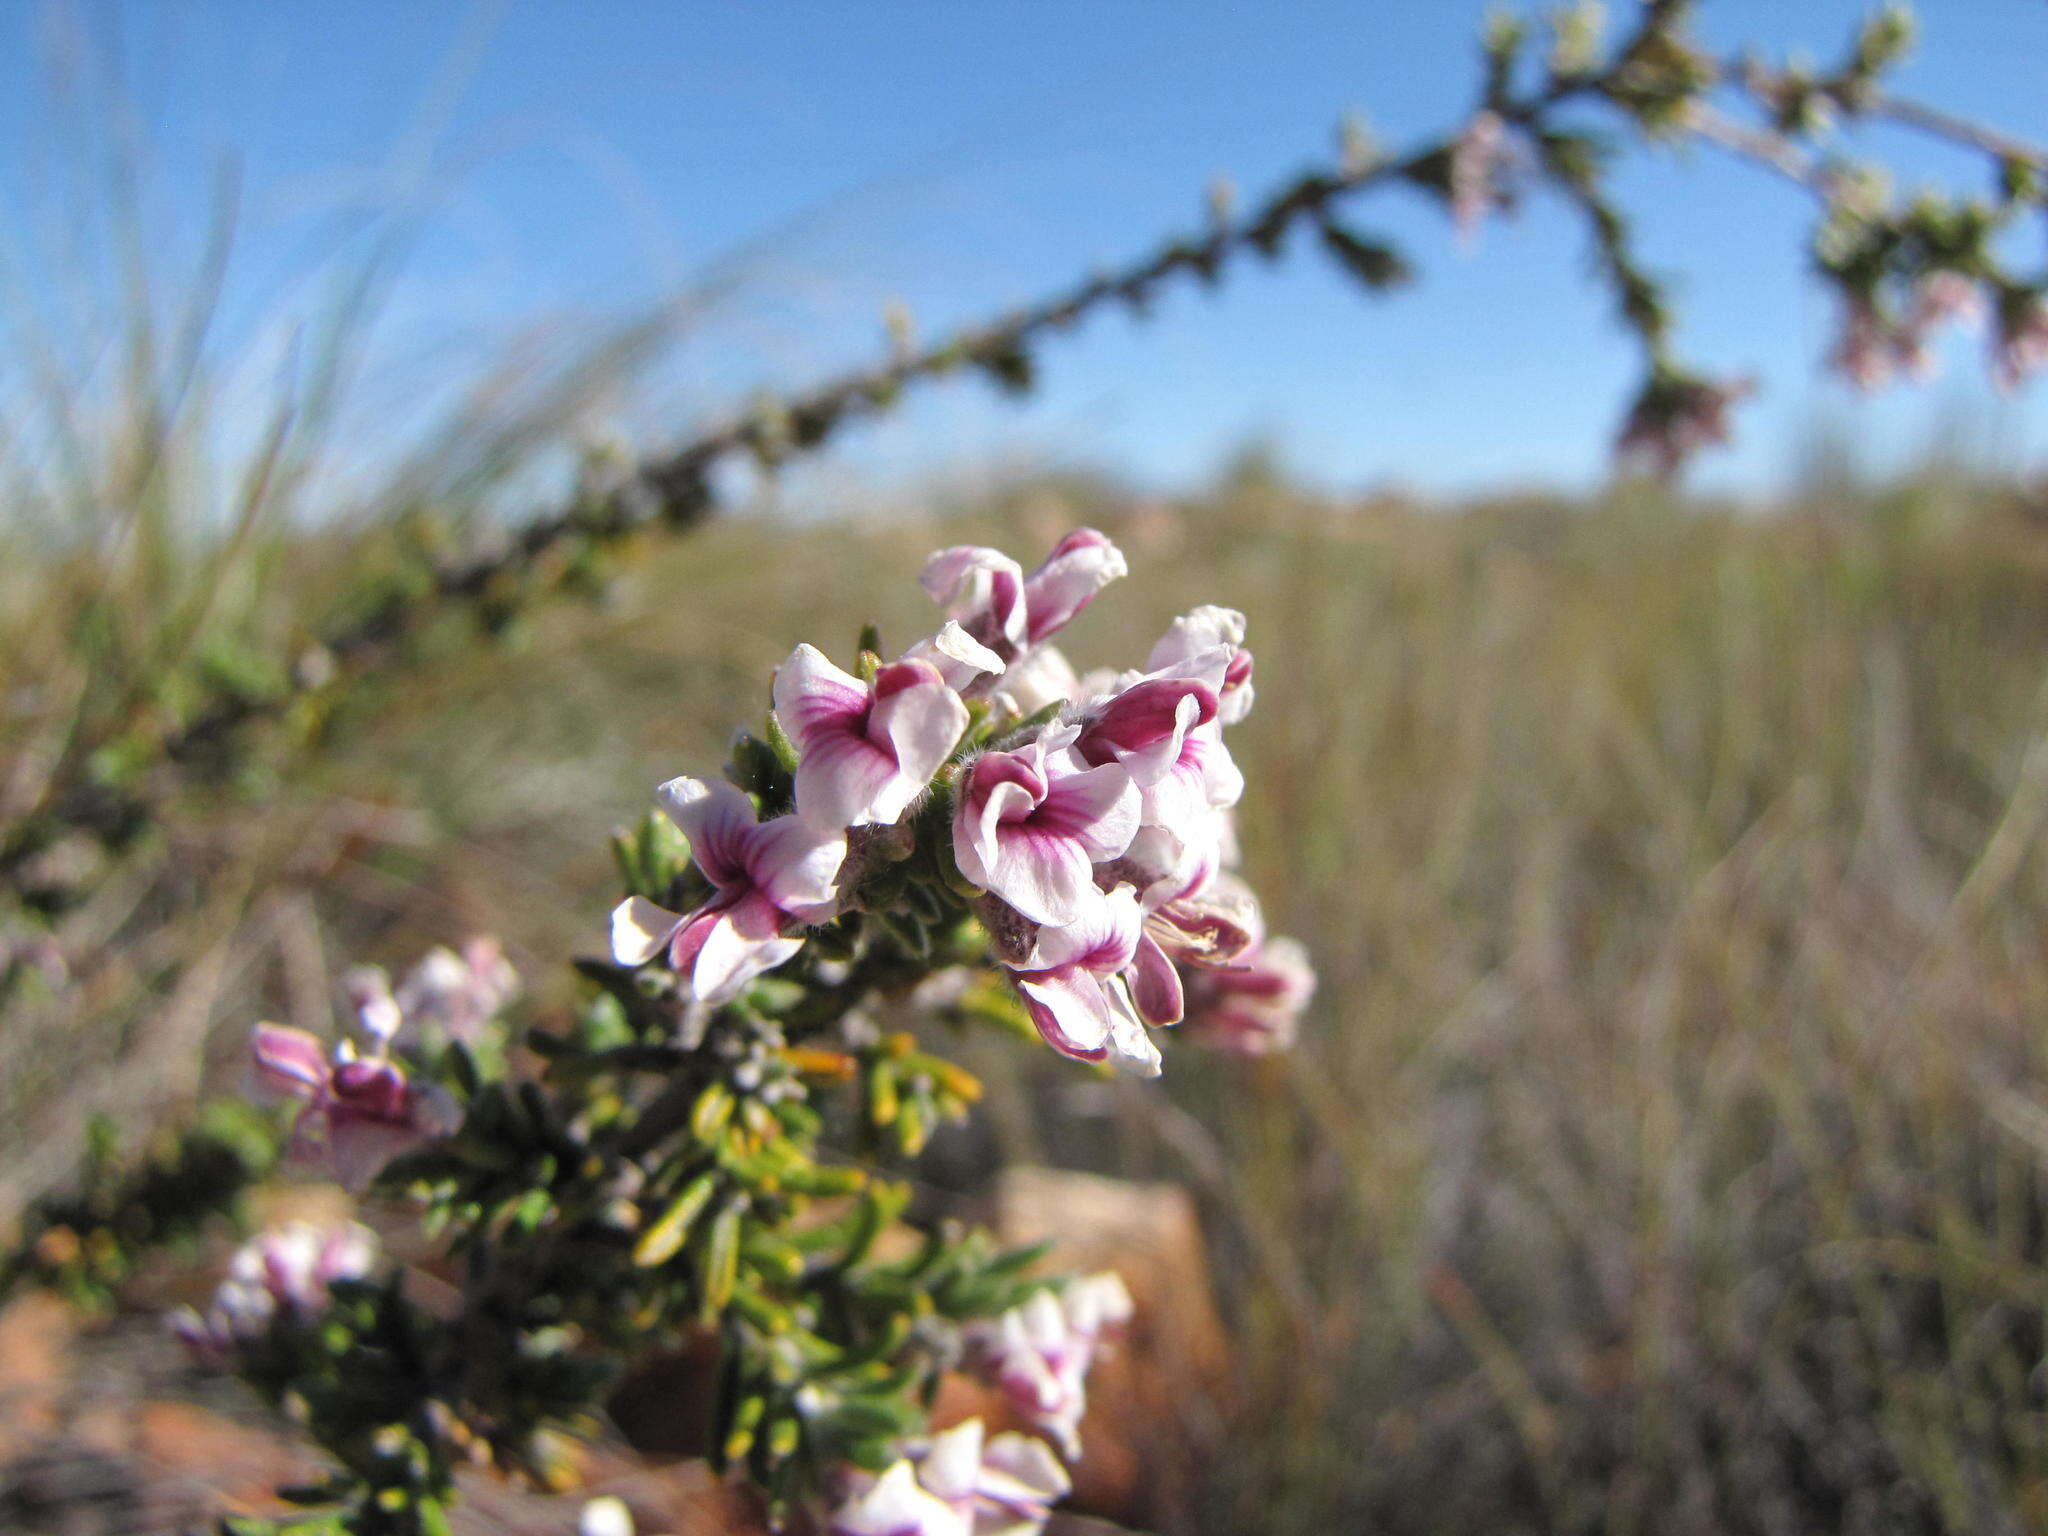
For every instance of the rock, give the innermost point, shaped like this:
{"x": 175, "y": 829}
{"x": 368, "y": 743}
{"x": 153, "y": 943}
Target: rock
{"x": 35, "y": 1333}
{"x": 666, "y": 1405}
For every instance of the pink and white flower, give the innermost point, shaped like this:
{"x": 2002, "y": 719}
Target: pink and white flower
{"x": 768, "y": 880}
{"x": 1193, "y": 646}
{"x": 1202, "y": 778}
{"x": 1939, "y": 299}
{"x": 1039, "y": 1354}
{"x": 1145, "y": 727}
{"x": 1030, "y": 826}
{"x": 988, "y": 594}
{"x": 1482, "y": 162}
{"x": 1073, "y": 986}
{"x": 866, "y": 750}
{"x": 458, "y": 992}
{"x": 285, "y": 1271}
{"x": 1253, "y": 1007}
{"x": 361, "y": 1109}
{"x": 1194, "y": 914}
{"x": 960, "y": 1482}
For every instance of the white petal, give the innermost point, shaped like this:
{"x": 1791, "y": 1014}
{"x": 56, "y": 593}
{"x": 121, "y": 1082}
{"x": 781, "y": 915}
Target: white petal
{"x": 1070, "y": 1011}
{"x": 641, "y": 930}
{"x": 1101, "y": 936}
{"x": 1044, "y": 676}
{"x": 1201, "y": 629}
{"x": 961, "y": 659}
{"x": 1048, "y": 879}
{"x": 950, "y": 1467}
{"x": 1024, "y": 1464}
{"x": 730, "y": 957}
{"x": 1129, "y": 1041}
{"x": 1096, "y": 1302}
{"x": 1099, "y": 808}
{"x": 921, "y": 719}
{"x": 983, "y": 823}
{"x": 894, "y": 1505}
{"x": 847, "y": 781}
{"x": 1235, "y": 704}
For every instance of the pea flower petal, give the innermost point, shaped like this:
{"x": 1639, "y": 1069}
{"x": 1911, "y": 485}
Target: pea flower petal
{"x": 768, "y": 879}
{"x": 867, "y": 750}
{"x": 1030, "y": 825}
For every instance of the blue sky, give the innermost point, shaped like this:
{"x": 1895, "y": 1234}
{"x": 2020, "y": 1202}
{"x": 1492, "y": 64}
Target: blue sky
{"x": 580, "y": 161}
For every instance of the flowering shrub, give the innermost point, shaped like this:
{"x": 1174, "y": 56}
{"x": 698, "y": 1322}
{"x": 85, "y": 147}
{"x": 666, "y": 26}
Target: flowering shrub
{"x": 972, "y": 833}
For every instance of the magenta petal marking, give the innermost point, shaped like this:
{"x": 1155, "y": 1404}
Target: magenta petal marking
{"x": 1058, "y": 1003}
{"x": 1146, "y": 713}
{"x": 289, "y": 1061}
{"x": 717, "y": 819}
{"x": 1155, "y": 985}
{"x": 1080, "y": 565}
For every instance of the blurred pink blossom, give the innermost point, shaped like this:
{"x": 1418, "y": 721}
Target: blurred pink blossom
{"x": 285, "y": 1271}
{"x": 960, "y": 1482}
{"x": 1253, "y": 1007}
{"x": 360, "y": 1110}
{"x": 1038, "y": 1354}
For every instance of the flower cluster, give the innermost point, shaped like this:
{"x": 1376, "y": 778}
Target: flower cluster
{"x": 283, "y": 1273}
{"x": 1038, "y": 1354}
{"x": 458, "y": 992}
{"x": 1874, "y": 347}
{"x": 1088, "y": 817}
{"x": 1480, "y": 174}
{"x": 1253, "y": 1007}
{"x": 961, "y": 1482}
{"x": 1905, "y": 276}
{"x": 972, "y": 831}
{"x": 1675, "y": 417}
{"x": 360, "y": 1104}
